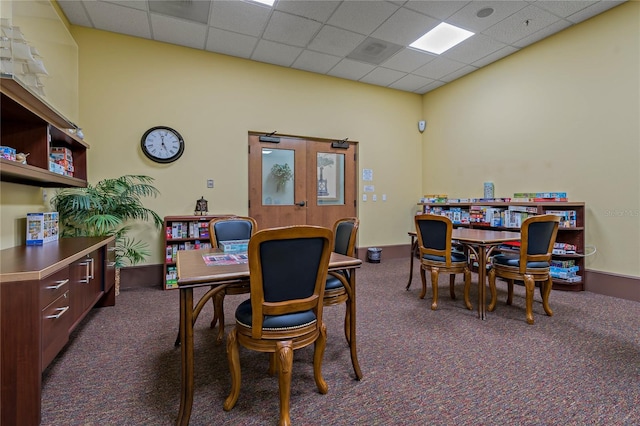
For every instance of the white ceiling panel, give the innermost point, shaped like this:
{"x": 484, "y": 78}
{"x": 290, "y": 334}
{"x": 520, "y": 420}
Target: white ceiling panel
{"x": 321, "y": 36}
{"x": 228, "y": 43}
{"x": 170, "y": 30}
{"x": 316, "y": 62}
{"x": 275, "y": 53}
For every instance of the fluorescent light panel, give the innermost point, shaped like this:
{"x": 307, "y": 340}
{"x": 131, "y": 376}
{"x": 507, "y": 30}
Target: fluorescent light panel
{"x": 442, "y": 38}
{"x": 267, "y": 2}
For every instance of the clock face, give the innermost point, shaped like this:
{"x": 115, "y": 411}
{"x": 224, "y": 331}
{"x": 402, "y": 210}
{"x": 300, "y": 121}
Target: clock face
{"x": 162, "y": 144}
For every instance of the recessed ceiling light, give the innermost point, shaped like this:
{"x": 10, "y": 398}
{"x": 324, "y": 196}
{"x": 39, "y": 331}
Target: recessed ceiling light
{"x": 484, "y": 12}
{"x": 442, "y": 38}
{"x": 267, "y": 2}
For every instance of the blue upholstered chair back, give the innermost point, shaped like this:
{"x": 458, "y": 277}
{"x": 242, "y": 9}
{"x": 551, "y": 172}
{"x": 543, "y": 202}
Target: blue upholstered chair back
{"x": 290, "y": 268}
{"x": 232, "y": 229}
{"x": 540, "y": 233}
{"x": 434, "y": 234}
{"x": 343, "y": 237}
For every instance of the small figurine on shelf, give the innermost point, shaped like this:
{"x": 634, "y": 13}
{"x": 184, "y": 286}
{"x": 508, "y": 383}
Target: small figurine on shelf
{"x": 201, "y": 206}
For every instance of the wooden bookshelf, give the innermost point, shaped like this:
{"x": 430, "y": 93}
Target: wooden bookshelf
{"x": 573, "y": 235}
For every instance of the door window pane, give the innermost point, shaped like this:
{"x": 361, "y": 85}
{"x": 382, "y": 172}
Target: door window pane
{"x": 278, "y": 171}
{"x": 330, "y": 177}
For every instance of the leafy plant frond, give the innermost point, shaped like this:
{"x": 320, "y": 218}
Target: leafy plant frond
{"x": 105, "y": 208}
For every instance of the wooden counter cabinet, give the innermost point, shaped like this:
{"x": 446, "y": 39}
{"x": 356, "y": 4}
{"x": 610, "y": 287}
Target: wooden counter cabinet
{"x": 45, "y": 293}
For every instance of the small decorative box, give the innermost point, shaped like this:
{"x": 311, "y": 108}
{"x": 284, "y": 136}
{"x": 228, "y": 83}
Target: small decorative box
{"x": 234, "y": 246}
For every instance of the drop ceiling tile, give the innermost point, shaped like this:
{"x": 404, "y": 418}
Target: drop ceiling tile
{"x": 196, "y": 11}
{"x": 382, "y": 76}
{"x": 429, "y": 87}
{"x": 290, "y": 29}
{"x": 458, "y": 73}
{"x": 362, "y": 16}
{"x": 408, "y": 59}
{"x": 229, "y": 43}
{"x": 440, "y": 10}
{"x": 474, "y": 48}
{"x": 594, "y": 10}
{"x": 467, "y": 16}
{"x": 410, "y": 82}
{"x": 515, "y": 27}
{"x": 136, "y": 4}
{"x": 275, "y": 53}
{"x": 350, "y": 69}
{"x": 335, "y": 41}
{"x": 177, "y": 31}
{"x": 316, "y": 62}
{"x": 543, "y": 33}
{"x": 404, "y": 27}
{"x": 505, "y": 51}
{"x": 240, "y": 17}
{"x": 317, "y": 10}
{"x": 75, "y": 12}
{"x": 118, "y": 19}
{"x": 438, "y": 68}
{"x": 563, "y": 8}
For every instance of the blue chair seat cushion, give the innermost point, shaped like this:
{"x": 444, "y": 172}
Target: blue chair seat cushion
{"x": 514, "y": 261}
{"x": 455, "y": 258}
{"x": 274, "y": 322}
{"x": 333, "y": 283}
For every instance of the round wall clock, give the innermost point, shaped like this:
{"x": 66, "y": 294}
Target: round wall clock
{"x": 162, "y": 144}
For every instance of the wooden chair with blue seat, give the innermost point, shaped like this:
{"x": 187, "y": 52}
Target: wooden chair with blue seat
{"x": 531, "y": 265}
{"x": 288, "y": 268}
{"x": 338, "y": 287}
{"x": 228, "y": 229}
{"x": 437, "y": 256}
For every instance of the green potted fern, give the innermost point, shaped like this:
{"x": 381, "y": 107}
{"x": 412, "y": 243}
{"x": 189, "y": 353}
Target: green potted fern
{"x": 110, "y": 207}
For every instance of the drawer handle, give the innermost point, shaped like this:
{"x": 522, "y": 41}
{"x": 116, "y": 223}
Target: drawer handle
{"x": 58, "y": 285}
{"x": 59, "y": 314}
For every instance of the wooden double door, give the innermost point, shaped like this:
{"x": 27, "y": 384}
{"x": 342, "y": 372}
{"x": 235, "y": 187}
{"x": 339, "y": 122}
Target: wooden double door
{"x": 299, "y": 181}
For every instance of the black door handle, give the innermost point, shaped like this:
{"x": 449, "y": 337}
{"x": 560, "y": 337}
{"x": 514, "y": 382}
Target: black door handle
{"x": 301, "y": 204}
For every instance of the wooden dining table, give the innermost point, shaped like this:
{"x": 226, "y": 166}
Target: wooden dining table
{"x": 480, "y": 242}
{"x": 194, "y": 272}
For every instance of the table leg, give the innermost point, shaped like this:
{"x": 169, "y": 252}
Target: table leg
{"x": 352, "y": 326}
{"x": 186, "y": 354}
{"x": 482, "y": 274}
{"x": 414, "y": 248}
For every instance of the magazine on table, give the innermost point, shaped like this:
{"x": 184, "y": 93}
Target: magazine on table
{"x": 225, "y": 259}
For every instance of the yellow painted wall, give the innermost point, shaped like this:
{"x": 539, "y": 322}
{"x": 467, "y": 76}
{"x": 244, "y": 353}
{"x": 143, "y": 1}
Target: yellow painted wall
{"x": 560, "y": 115}
{"x": 128, "y": 85}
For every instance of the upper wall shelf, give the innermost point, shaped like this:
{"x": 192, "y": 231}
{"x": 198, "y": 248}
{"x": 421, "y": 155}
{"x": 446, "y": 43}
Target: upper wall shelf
{"x": 32, "y": 126}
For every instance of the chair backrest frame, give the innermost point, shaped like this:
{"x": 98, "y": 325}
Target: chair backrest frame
{"x": 434, "y": 235}
{"x": 537, "y": 237}
{"x": 242, "y": 235}
{"x": 298, "y": 246}
{"x": 345, "y": 231}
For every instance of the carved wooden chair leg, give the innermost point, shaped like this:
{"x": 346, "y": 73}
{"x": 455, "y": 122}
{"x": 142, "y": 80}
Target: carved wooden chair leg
{"x": 467, "y": 288}
{"x": 424, "y": 283}
{"x": 273, "y": 367}
{"x": 452, "y": 281}
{"x": 318, "y": 354}
{"x": 492, "y": 290}
{"x": 234, "y": 365}
{"x": 218, "y": 308}
{"x": 546, "y": 289}
{"x": 284, "y": 360}
{"x": 509, "y": 292}
{"x": 434, "y": 287}
{"x": 530, "y": 287}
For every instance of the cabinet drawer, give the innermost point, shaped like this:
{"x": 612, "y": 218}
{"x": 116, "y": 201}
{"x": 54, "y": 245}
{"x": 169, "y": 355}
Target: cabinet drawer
{"x": 56, "y": 321}
{"x": 53, "y": 286}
